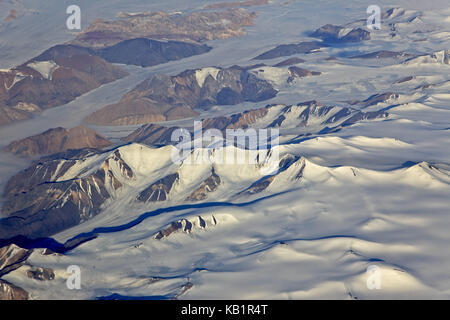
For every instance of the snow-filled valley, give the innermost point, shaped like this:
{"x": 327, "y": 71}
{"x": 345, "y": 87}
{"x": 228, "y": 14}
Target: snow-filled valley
{"x": 362, "y": 179}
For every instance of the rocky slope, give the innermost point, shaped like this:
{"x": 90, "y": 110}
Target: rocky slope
{"x": 309, "y": 117}
{"x": 193, "y": 27}
{"x": 163, "y": 97}
{"x": 42, "y": 200}
{"x": 290, "y": 49}
{"x": 58, "y": 140}
{"x": 55, "y": 77}
{"x": 332, "y": 33}
{"x": 148, "y": 52}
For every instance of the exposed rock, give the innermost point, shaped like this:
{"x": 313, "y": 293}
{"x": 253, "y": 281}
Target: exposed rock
{"x": 8, "y": 291}
{"x": 260, "y": 185}
{"x": 41, "y": 274}
{"x": 184, "y": 225}
{"x": 156, "y": 135}
{"x": 240, "y": 120}
{"x": 285, "y": 163}
{"x": 301, "y": 115}
{"x": 159, "y": 191}
{"x": 147, "y": 52}
{"x": 332, "y": 33}
{"x": 11, "y": 16}
{"x": 58, "y": 140}
{"x": 55, "y": 77}
{"x": 151, "y": 134}
{"x": 209, "y": 185}
{"x": 382, "y": 55}
{"x": 16, "y": 113}
{"x": 290, "y": 49}
{"x": 377, "y": 98}
{"x": 196, "y": 26}
{"x": 40, "y": 201}
{"x": 163, "y": 97}
{"x": 289, "y": 62}
{"x": 11, "y": 258}
{"x": 296, "y": 72}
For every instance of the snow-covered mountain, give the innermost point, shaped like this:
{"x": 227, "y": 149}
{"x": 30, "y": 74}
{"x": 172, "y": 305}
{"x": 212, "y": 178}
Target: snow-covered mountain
{"x": 359, "y": 178}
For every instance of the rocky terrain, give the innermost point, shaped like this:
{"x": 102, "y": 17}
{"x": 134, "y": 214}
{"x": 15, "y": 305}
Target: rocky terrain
{"x": 290, "y": 49}
{"x": 48, "y": 201}
{"x": 148, "y": 52}
{"x": 332, "y": 33}
{"x": 360, "y": 168}
{"x": 163, "y": 97}
{"x": 57, "y": 76}
{"x": 305, "y": 118}
{"x": 194, "y": 27}
{"x": 58, "y": 140}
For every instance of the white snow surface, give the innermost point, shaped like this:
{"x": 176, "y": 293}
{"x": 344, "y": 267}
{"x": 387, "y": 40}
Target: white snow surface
{"x": 45, "y": 68}
{"x": 374, "y": 193}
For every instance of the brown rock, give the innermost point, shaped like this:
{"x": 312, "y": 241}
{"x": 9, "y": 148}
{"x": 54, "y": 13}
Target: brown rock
{"x": 58, "y": 140}
{"x": 8, "y": 291}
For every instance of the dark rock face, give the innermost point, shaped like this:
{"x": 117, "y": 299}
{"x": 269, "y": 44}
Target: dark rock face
{"x": 78, "y": 72}
{"x": 289, "y": 62}
{"x": 146, "y": 52}
{"x": 38, "y": 204}
{"x": 53, "y": 206}
{"x": 240, "y": 120}
{"x": 198, "y": 26}
{"x": 209, "y": 185}
{"x": 152, "y": 134}
{"x": 55, "y": 77}
{"x": 159, "y": 190}
{"x": 162, "y": 97}
{"x": 8, "y": 291}
{"x": 260, "y": 185}
{"x": 58, "y": 140}
{"x": 331, "y": 117}
{"x": 290, "y": 49}
{"x": 41, "y": 274}
{"x": 285, "y": 163}
{"x": 377, "y": 98}
{"x": 12, "y": 257}
{"x": 296, "y": 72}
{"x": 157, "y": 135}
{"x": 180, "y": 225}
{"x": 184, "y": 225}
{"x": 331, "y": 33}
{"x": 359, "y": 116}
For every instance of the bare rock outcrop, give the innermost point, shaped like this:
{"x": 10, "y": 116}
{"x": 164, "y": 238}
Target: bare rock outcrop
{"x": 8, "y": 291}
{"x": 163, "y": 97}
{"x": 58, "y": 140}
{"x": 209, "y": 185}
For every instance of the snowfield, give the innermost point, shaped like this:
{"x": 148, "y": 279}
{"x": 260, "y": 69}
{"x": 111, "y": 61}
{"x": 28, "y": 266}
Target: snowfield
{"x": 373, "y": 193}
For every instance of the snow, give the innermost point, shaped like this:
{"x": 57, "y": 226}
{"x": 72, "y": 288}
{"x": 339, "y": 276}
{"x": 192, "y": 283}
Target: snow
{"x": 202, "y": 74}
{"x": 45, "y": 68}
{"x": 372, "y": 194}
